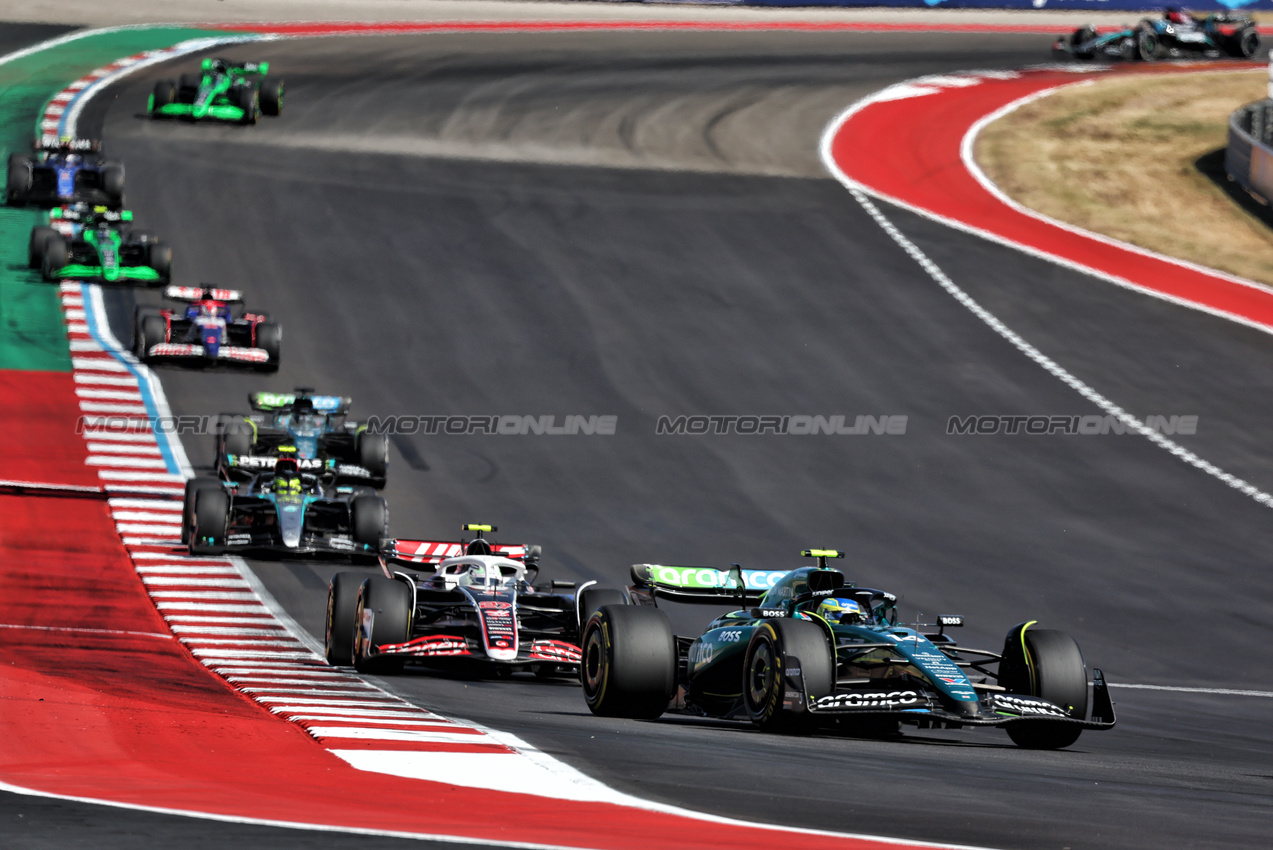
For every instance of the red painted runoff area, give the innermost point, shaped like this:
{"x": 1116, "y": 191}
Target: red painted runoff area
{"x": 38, "y": 412}
{"x": 908, "y": 149}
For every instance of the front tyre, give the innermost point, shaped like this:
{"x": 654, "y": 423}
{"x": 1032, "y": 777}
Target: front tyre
{"x": 211, "y": 521}
{"x": 39, "y": 241}
{"x": 342, "y": 609}
{"x": 19, "y": 179}
{"x": 776, "y": 650}
{"x": 193, "y": 487}
{"x": 56, "y": 256}
{"x": 629, "y": 662}
{"x": 383, "y": 616}
{"x": 1054, "y": 671}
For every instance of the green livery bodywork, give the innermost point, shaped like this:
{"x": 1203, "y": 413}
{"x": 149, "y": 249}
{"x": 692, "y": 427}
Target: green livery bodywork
{"x": 222, "y": 91}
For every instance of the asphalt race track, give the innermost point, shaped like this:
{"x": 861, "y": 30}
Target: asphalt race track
{"x": 638, "y": 225}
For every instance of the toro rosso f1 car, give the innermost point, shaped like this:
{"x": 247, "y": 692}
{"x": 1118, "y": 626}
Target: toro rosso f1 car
{"x": 807, "y": 648}
{"x": 469, "y": 606}
{"x": 65, "y": 171}
{"x": 311, "y": 426}
{"x": 222, "y": 90}
{"x": 288, "y": 506}
{"x": 206, "y": 331}
{"x": 1176, "y": 34}
{"x": 83, "y": 242}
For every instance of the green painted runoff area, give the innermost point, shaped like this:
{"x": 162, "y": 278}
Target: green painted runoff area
{"x": 32, "y": 335}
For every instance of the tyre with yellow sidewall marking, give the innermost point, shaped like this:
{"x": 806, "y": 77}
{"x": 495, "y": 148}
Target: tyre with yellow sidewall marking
{"x": 629, "y": 662}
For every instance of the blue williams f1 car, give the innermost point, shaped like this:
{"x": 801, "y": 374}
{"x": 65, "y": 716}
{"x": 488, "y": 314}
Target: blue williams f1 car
{"x": 806, "y": 648}
{"x": 65, "y": 171}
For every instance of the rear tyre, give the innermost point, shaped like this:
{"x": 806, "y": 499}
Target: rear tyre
{"x": 1082, "y": 36}
{"x": 211, "y": 520}
{"x": 1059, "y": 676}
{"x": 369, "y": 516}
{"x": 113, "y": 184}
{"x": 56, "y": 256}
{"x": 775, "y": 648}
{"x": 373, "y": 454}
{"x": 383, "y": 616}
{"x": 159, "y": 258}
{"x": 154, "y": 330}
{"x": 271, "y": 96}
{"x": 591, "y": 600}
{"x": 269, "y": 336}
{"x": 164, "y": 94}
{"x": 342, "y": 606}
{"x": 35, "y": 247}
{"x": 629, "y": 662}
{"x": 193, "y": 486}
{"x": 19, "y": 179}
{"x": 187, "y": 88}
{"x": 247, "y": 100}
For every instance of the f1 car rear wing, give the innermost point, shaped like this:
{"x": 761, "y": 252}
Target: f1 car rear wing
{"x": 203, "y": 293}
{"x": 276, "y": 402}
{"x": 53, "y": 144}
{"x": 434, "y": 552}
{"x": 75, "y": 213}
{"x": 703, "y": 585}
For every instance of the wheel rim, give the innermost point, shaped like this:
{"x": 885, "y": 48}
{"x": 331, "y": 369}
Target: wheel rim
{"x": 593, "y": 664}
{"x": 761, "y": 671}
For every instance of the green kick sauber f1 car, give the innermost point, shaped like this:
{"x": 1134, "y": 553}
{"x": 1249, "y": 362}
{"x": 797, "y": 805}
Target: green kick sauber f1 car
{"x": 222, "y": 90}
{"x": 96, "y": 243}
{"x": 806, "y": 649}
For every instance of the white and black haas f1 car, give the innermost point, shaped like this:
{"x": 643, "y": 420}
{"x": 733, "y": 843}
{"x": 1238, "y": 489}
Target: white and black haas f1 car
{"x": 807, "y": 649}
{"x": 206, "y": 332}
{"x": 288, "y": 506}
{"x": 469, "y": 607}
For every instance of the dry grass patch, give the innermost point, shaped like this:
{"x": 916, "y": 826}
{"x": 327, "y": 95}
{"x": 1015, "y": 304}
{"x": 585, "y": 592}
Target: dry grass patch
{"x": 1134, "y": 157}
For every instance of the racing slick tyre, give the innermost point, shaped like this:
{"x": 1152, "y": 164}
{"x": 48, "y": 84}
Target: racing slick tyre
{"x": 187, "y": 88}
{"x": 271, "y": 95}
{"x": 369, "y": 517}
{"x": 159, "y": 258}
{"x": 629, "y": 662}
{"x": 236, "y": 438}
{"x": 245, "y": 98}
{"x": 19, "y": 179}
{"x": 1148, "y": 45}
{"x": 342, "y": 605}
{"x": 1082, "y": 36}
{"x": 164, "y": 94}
{"x": 591, "y": 600}
{"x": 153, "y": 331}
{"x": 777, "y": 646}
{"x": 382, "y": 615}
{"x": 35, "y": 248}
{"x": 113, "y": 184}
{"x": 269, "y": 336}
{"x": 193, "y": 486}
{"x": 373, "y": 453}
{"x": 1053, "y": 670}
{"x": 211, "y": 519}
{"x": 1244, "y": 43}
{"x": 56, "y": 256}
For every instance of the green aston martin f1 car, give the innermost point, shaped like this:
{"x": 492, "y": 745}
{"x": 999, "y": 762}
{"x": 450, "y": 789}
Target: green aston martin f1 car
{"x": 84, "y": 242}
{"x": 805, "y": 649}
{"x": 222, "y": 91}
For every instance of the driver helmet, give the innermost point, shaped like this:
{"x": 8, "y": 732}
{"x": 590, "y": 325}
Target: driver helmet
{"x": 836, "y": 610}
{"x": 287, "y": 475}
{"x": 209, "y": 310}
